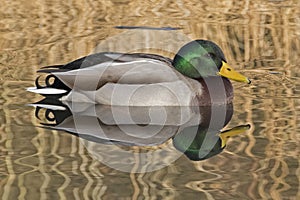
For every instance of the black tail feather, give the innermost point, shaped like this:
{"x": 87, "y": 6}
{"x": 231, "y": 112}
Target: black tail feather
{"x": 54, "y": 117}
{"x": 37, "y": 85}
{"x": 56, "y": 83}
{"x": 52, "y": 68}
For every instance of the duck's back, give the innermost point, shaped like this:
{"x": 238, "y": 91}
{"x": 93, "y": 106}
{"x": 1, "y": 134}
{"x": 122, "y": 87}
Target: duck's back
{"x": 124, "y": 79}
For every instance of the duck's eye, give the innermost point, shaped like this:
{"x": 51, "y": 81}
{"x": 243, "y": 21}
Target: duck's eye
{"x": 228, "y": 69}
{"x": 210, "y": 55}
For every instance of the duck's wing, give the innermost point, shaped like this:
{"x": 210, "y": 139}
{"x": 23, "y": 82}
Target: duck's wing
{"x": 125, "y": 79}
{"x": 99, "y": 58}
{"x": 83, "y": 62}
{"x": 117, "y": 68}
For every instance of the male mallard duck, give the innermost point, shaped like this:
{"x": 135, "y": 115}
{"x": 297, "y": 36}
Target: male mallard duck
{"x": 197, "y": 76}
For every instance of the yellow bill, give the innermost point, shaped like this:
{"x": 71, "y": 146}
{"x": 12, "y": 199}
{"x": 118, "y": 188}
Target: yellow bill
{"x": 232, "y": 132}
{"x": 229, "y": 72}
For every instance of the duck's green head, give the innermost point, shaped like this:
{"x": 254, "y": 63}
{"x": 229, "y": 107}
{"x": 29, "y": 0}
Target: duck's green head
{"x": 203, "y": 58}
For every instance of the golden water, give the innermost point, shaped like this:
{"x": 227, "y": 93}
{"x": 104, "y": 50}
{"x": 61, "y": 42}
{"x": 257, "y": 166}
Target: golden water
{"x": 260, "y": 38}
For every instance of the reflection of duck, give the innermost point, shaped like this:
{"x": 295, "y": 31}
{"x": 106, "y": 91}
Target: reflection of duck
{"x": 206, "y": 143}
{"x": 194, "y": 130}
{"x": 197, "y": 76}
{"x": 132, "y": 126}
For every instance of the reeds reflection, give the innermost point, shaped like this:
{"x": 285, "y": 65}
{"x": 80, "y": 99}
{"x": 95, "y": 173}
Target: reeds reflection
{"x": 143, "y": 130}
